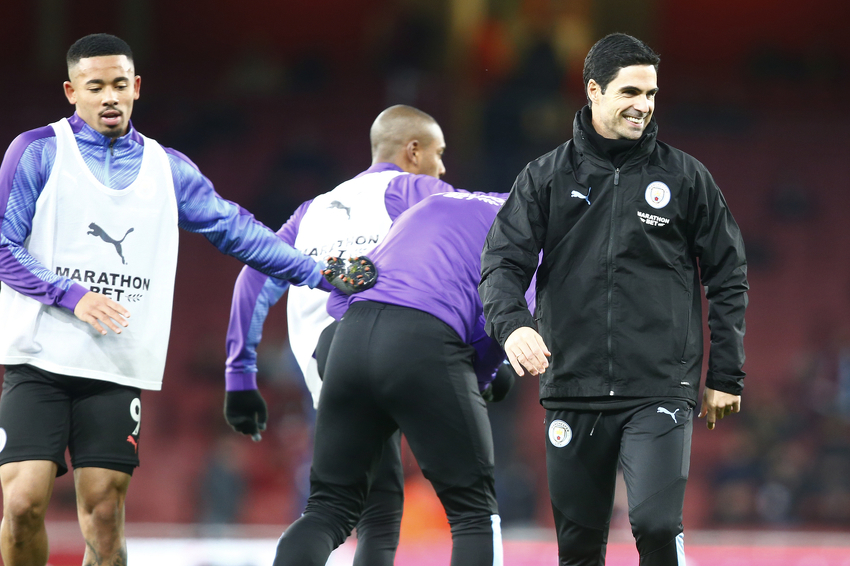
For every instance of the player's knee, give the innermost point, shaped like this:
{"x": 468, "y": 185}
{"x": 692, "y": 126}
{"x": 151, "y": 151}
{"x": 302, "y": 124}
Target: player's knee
{"x": 473, "y": 504}
{"x": 382, "y": 513}
{"x": 337, "y": 520}
{"x": 578, "y": 543}
{"x": 653, "y": 529}
{"x": 657, "y": 521}
{"x": 23, "y": 514}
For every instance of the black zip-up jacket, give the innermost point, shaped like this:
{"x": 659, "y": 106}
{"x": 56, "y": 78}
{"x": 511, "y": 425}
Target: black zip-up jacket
{"x": 625, "y": 251}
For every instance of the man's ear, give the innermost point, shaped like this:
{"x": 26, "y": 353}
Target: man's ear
{"x": 411, "y": 151}
{"x": 593, "y": 90}
{"x": 70, "y": 93}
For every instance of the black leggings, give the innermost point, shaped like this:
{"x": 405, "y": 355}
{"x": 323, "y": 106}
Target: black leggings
{"x": 393, "y": 368}
{"x": 379, "y": 526}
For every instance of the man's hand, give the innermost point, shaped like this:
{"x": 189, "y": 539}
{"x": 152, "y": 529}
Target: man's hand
{"x": 352, "y": 276}
{"x": 95, "y": 309}
{"x": 525, "y": 349}
{"x": 717, "y": 404}
{"x": 246, "y": 412}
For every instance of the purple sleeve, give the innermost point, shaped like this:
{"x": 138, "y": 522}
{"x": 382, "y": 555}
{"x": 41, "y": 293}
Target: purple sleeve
{"x": 253, "y": 295}
{"x": 233, "y": 230}
{"x": 488, "y": 356}
{"x": 23, "y": 174}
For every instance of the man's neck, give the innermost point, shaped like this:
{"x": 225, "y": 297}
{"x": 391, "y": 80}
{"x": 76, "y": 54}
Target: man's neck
{"x": 615, "y": 149}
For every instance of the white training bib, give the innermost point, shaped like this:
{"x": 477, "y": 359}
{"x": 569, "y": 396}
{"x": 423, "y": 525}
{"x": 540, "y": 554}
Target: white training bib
{"x": 348, "y": 221}
{"x": 122, "y": 244}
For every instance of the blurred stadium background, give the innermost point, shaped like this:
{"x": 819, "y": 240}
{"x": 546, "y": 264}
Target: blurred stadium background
{"x": 273, "y": 100}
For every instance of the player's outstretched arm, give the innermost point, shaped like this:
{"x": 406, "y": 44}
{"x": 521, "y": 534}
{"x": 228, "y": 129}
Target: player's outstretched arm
{"x": 525, "y": 349}
{"x": 97, "y": 309}
{"x": 717, "y": 404}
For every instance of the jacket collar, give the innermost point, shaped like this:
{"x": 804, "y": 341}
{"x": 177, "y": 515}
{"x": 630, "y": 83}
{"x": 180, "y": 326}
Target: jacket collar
{"x": 585, "y": 146}
{"x": 85, "y": 133}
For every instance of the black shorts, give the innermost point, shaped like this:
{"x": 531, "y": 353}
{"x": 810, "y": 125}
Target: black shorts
{"x": 43, "y": 413}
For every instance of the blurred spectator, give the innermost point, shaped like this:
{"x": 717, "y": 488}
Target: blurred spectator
{"x": 222, "y": 487}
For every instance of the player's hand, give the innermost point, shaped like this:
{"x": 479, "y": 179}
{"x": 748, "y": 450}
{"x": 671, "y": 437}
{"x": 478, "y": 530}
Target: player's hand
{"x": 97, "y": 310}
{"x": 246, "y": 412}
{"x": 501, "y": 384}
{"x": 717, "y": 404}
{"x": 525, "y": 349}
{"x": 350, "y": 276}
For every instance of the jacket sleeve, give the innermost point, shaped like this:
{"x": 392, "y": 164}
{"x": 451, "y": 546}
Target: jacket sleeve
{"x": 719, "y": 249}
{"x": 233, "y": 230}
{"x": 253, "y": 295}
{"x": 23, "y": 175}
{"x": 510, "y": 257}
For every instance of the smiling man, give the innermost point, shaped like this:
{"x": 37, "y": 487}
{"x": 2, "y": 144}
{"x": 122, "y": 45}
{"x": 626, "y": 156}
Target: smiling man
{"x": 89, "y": 217}
{"x": 630, "y": 229}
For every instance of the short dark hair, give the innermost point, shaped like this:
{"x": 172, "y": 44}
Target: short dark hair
{"x": 97, "y": 45}
{"x": 612, "y": 53}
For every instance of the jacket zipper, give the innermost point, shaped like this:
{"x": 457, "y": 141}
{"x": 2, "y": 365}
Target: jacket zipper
{"x": 107, "y": 177}
{"x": 611, "y": 283}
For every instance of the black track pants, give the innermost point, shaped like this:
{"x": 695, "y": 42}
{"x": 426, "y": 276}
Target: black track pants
{"x": 392, "y": 368}
{"x": 380, "y": 524}
{"x": 652, "y": 442}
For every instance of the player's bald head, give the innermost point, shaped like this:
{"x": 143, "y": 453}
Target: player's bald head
{"x": 396, "y": 126}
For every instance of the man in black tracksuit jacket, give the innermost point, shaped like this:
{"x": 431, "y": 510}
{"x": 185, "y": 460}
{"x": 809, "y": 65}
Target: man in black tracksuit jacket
{"x": 630, "y": 228}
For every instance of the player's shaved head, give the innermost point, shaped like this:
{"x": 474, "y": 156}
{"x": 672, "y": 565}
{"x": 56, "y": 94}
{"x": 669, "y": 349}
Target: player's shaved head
{"x": 395, "y": 127}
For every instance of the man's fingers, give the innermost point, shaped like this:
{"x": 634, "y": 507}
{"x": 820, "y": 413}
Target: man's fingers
{"x": 107, "y": 320}
{"x": 714, "y": 414}
{"x": 516, "y": 365}
{"x": 534, "y": 363}
{"x": 98, "y": 327}
{"x": 101, "y": 312}
{"x": 717, "y": 404}
{"x": 532, "y": 356}
{"x": 542, "y": 348}
{"x": 711, "y": 417}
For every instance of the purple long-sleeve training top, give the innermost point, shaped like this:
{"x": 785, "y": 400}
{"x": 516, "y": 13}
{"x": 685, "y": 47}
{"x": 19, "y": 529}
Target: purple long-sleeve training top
{"x": 255, "y": 293}
{"x": 431, "y": 261}
{"x": 115, "y": 163}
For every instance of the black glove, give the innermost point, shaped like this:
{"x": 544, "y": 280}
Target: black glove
{"x": 501, "y": 384}
{"x": 245, "y": 411}
{"x": 353, "y": 276}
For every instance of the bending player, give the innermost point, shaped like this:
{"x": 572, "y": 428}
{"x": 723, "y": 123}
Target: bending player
{"x": 410, "y": 354}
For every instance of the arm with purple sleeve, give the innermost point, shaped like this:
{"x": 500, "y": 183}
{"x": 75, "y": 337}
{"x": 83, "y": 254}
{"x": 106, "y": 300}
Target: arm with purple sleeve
{"x": 23, "y": 175}
{"x": 253, "y": 295}
{"x": 233, "y": 230}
